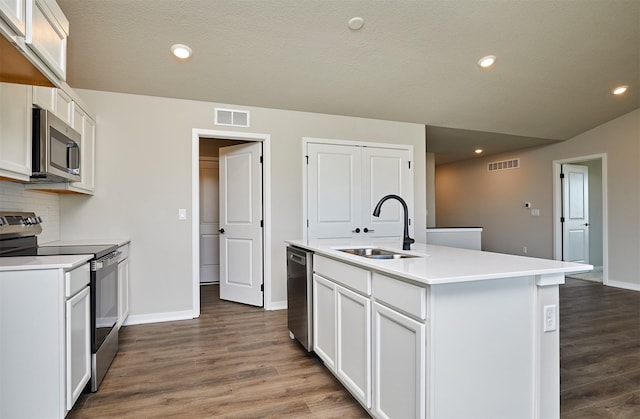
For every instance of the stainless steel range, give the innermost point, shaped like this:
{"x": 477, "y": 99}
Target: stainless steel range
{"x": 18, "y": 231}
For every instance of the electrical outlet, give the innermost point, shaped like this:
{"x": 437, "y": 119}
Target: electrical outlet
{"x": 182, "y": 214}
{"x": 524, "y": 250}
{"x": 549, "y": 319}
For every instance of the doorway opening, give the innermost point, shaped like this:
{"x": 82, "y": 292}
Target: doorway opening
{"x": 588, "y": 233}
{"x": 205, "y": 146}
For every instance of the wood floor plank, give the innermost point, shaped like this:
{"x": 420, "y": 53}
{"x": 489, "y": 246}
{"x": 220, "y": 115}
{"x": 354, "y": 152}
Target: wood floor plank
{"x": 238, "y": 361}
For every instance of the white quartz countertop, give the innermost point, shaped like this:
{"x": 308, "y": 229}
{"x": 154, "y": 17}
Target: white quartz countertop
{"x": 29, "y": 263}
{"x": 439, "y": 264}
{"x": 87, "y": 242}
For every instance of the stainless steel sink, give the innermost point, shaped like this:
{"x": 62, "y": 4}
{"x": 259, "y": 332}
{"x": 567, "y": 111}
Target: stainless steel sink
{"x": 375, "y": 253}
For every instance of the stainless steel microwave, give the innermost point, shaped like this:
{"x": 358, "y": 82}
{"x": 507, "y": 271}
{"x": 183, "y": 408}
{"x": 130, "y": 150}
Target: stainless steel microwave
{"x": 55, "y": 149}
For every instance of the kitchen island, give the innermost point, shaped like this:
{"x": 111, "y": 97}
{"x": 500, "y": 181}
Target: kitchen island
{"x": 439, "y": 332}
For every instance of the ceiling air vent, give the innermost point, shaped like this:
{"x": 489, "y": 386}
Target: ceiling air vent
{"x": 504, "y": 165}
{"x": 232, "y": 117}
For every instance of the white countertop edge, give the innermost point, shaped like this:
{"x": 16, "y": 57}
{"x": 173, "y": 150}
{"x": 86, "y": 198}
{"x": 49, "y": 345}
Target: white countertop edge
{"x": 453, "y": 229}
{"x": 30, "y": 263}
{"x": 432, "y": 267}
{"x": 87, "y": 242}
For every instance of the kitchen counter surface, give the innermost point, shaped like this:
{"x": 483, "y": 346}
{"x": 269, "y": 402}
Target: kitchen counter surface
{"x": 27, "y": 263}
{"x": 87, "y": 242}
{"x": 442, "y": 265}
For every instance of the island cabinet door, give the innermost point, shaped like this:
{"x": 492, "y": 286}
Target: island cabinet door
{"x": 354, "y": 343}
{"x": 324, "y": 320}
{"x": 398, "y": 365}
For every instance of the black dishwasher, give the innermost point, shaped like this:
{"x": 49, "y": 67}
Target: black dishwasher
{"x": 300, "y": 295}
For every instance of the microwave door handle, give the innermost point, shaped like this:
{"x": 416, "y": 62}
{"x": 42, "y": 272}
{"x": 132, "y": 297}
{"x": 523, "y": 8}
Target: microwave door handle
{"x": 70, "y": 146}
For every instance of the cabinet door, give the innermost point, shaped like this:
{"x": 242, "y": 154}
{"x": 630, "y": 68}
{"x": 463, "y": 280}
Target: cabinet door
{"x": 15, "y": 131}
{"x": 398, "y": 365}
{"x": 46, "y": 33}
{"x": 78, "y": 337}
{"x": 123, "y": 292}
{"x": 324, "y": 320}
{"x": 63, "y": 108}
{"x": 87, "y": 128}
{"x": 354, "y": 343}
{"x": 333, "y": 187}
{"x": 44, "y": 98}
{"x": 13, "y": 12}
{"x": 385, "y": 171}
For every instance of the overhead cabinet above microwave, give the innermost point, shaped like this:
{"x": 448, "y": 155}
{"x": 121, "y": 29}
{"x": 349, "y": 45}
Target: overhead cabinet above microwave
{"x": 39, "y": 30}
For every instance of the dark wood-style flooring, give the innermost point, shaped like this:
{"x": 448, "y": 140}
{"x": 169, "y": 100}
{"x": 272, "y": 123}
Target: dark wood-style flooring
{"x": 237, "y": 361}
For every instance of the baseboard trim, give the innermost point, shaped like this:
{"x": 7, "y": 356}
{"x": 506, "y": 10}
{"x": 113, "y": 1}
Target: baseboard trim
{"x": 625, "y": 285}
{"x": 277, "y": 305}
{"x": 170, "y": 316}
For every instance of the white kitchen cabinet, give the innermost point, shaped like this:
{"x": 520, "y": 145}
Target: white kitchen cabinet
{"x": 78, "y": 340}
{"x": 44, "y": 318}
{"x": 15, "y": 131}
{"x": 342, "y": 324}
{"x": 344, "y": 184}
{"x": 56, "y": 101}
{"x": 123, "y": 286}
{"x": 13, "y": 12}
{"x": 398, "y": 365}
{"x": 354, "y": 343}
{"x": 324, "y": 320}
{"x": 47, "y": 30}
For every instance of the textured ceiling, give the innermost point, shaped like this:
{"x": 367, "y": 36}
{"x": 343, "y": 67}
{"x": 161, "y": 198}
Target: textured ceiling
{"x": 413, "y": 61}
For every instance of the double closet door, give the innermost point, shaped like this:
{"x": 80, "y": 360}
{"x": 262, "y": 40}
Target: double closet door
{"x": 344, "y": 184}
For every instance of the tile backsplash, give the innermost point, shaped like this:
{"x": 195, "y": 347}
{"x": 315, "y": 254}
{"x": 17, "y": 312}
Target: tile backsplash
{"x": 13, "y": 197}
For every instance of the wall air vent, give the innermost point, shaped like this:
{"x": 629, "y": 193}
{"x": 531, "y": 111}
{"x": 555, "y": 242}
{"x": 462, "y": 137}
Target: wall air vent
{"x": 232, "y": 117}
{"x": 504, "y": 165}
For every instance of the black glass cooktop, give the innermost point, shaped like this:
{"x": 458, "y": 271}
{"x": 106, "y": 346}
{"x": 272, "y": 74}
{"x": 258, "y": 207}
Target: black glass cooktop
{"x": 97, "y": 250}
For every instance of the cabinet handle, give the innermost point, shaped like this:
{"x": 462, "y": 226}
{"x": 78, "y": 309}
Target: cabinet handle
{"x": 366, "y": 230}
{"x": 357, "y": 230}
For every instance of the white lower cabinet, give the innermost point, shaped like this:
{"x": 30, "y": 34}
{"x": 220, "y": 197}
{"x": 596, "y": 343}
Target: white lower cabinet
{"x": 398, "y": 365}
{"x": 354, "y": 343}
{"x": 45, "y": 333}
{"x": 15, "y": 131}
{"x": 78, "y": 339}
{"x": 324, "y": 321}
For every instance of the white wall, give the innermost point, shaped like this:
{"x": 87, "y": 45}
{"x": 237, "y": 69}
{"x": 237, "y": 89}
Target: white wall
{"x": 13, "y": 197}
{"x": 467, "y": 194}
{"x": 143, "y": 175}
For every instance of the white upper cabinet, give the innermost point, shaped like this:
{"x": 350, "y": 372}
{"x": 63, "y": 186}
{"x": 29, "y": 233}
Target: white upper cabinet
{"x": 46, "y": 35}
{"x": 344, "y": 184}
{"x": 15, "y": 131}
{"x": 13, "y": 12}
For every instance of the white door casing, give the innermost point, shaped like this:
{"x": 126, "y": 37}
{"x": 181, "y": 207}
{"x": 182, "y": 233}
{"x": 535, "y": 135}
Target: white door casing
{"x": 575, "y": 209}
{"x": 241, "y": 212}
{"x": 209, "y": 222}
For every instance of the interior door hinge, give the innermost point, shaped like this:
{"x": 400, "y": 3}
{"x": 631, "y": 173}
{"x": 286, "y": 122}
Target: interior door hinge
{"x": 307, "y": 157}
{"x": 261, "y": 223}
{"x": 562, "y": 219}
{"x": 409, "y": 221}
{"x": 307, "y": 223}
{"x": 260, "y": 159}
{"x": 409, "y": 164}
{"x": 561, "y": 175}
{"x": 262, "y": 287}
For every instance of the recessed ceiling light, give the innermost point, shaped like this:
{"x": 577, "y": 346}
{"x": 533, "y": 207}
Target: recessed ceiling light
{"x": 356, "y": 23}
{"x": 619, "y": 90}
{"x": 181, "y": 51}
{"x": 478, "y": 151}
{"x": 487, "y": 61}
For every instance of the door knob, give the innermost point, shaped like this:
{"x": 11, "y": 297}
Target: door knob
{"x": 586, "y": 224}
{"x": 357, "y": 230}
{"x": 221, "y": 231}
{"x": 366, "y": 230}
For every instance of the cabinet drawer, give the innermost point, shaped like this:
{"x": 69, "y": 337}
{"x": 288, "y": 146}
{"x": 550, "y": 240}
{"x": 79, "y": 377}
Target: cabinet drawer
{"x": 344, "y": 274}
{"x": 76, "y": 279}
{"x": 403, "y": 296}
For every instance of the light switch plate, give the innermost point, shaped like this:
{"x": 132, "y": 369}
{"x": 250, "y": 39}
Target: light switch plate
{"x": 182, "y": 214}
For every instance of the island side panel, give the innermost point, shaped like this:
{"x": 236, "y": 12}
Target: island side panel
{"x": 483, "y": 349}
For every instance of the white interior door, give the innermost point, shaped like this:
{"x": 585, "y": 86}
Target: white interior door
{"x": 575, "y": 211}
{"x": 209, "y": 222}
{"x": 241, "y": 224}
{"x": 334, "y": 195}
{"x": 386, "y": 171}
